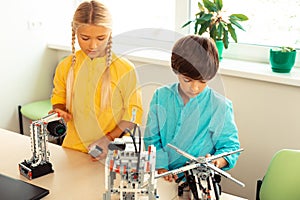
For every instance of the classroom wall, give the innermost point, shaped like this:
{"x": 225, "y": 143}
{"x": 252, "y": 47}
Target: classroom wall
{"x": 27, "y": 65}
{"x": 268, "y": 116}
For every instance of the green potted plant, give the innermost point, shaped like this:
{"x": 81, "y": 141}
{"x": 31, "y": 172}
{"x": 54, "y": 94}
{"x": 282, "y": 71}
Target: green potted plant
{"x": 282, "y": 59}
{"x": 213, "y": 20}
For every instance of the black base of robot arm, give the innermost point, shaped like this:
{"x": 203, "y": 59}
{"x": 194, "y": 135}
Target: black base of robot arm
{"x": 30, "y": 172}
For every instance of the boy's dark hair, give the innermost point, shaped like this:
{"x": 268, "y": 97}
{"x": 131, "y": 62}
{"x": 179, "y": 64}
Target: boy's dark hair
{"x": 195, "y": 57}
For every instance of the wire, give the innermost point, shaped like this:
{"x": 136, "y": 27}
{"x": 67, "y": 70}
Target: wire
{"x": 132, "y": 137}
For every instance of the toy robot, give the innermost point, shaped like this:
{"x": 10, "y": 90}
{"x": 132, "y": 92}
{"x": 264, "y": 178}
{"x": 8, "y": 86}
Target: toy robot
{"x": 133, "y": 167}
{"x": 202, "y": 177}
{"x": 39, "y": 164}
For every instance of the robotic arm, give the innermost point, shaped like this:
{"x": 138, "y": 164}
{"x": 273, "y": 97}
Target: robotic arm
{"x": 39, "y": 163}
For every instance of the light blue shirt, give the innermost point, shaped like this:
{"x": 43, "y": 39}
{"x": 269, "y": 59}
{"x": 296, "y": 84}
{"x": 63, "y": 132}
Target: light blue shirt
{"x": 205, "y": 125}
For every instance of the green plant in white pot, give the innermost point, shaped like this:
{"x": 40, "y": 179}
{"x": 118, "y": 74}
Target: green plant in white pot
{"x": 213, "y": 20}
{"x": 282, "y": 59}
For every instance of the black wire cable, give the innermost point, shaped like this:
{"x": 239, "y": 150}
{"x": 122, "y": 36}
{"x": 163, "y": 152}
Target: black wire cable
{"x": 132, "y": 137}
{"x": 140, "y": 139}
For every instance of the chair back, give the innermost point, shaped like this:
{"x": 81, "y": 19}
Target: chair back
{"x": 282, "y": 179}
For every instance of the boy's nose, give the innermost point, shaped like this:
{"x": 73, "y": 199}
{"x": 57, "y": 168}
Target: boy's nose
{"x": 195, "y": 87}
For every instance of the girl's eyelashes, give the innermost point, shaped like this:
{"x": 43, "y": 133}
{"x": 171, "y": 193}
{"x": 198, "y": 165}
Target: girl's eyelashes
{"x": 87, "y": 38}
{"x": 83, "y": 37}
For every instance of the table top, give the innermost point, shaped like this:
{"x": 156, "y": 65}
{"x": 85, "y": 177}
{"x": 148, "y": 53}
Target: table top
{"x": 75, "y": 175}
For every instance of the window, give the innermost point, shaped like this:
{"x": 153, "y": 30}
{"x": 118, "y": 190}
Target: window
{"x": 140, "y": 25}
{"x": 271, "y": 22}
{"x": 136, "y": 14}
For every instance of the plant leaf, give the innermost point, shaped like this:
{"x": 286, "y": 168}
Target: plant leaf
{"x": 219, "y": 4}
{"x": 213, "y": 32}
{"x": 225, "y": 39}
{"x": 188, "y": 23}
{"x": 231, "y": 30}
{"x": 221, "y": 29}
{"x": 234, "y": 22}
{"x": 284, "y": 49}
{"x": 239, "y": 17}
{"x": 211, "y": 7}
{"x": 195, "y": 28}
{"x": 203, "y": 22}
{"x": 201, "y": 7}
{"x": 203, "y": 27}
{"x": 204, "y": 17}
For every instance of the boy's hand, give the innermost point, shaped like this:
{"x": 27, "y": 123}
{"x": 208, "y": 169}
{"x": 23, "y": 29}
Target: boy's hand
{"x": 168, "y": 177}
{"x": 220, "y": 162}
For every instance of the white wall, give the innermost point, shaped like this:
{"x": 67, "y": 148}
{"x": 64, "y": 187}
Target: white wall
{"x": 27, "y": 64}
{"x": 268, "y": 118}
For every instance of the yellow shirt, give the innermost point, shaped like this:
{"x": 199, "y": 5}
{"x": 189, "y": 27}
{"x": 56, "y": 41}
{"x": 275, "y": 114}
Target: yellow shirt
{"x": 89, "y": 122}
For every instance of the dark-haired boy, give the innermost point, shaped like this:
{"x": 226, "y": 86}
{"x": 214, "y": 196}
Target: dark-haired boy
{"x": 189, "y": 114}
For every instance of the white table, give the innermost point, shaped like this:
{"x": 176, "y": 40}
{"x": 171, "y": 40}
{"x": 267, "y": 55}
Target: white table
{"x": 75, "y": 175}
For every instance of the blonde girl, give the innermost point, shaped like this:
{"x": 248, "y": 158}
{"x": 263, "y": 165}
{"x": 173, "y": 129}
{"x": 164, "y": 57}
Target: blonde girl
{"x": 94, "y": 90}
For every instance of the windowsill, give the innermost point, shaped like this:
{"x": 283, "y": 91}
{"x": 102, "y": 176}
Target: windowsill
{"x": 259, "y": 71}
{"x": 236, "y": 68}
{"x": 228, "y": 67}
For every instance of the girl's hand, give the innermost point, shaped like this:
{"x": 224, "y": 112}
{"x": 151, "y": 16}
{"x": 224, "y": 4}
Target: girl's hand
{"x": 64, "y": 114}
{"x": 169, "y": 177}
{"x": 103, "y": 143}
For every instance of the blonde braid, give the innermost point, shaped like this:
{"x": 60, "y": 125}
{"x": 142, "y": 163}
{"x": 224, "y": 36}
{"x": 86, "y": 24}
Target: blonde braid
{"x": 106, "y": 86}
{"x": 108, "y": 51}
{"x": 70, "y": 77}
{"x": 73, "y": 46}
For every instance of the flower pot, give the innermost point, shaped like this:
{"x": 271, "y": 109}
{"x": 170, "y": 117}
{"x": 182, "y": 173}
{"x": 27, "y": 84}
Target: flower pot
{"x": 282, "y": 62}
{"x": 220, "y": 47}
